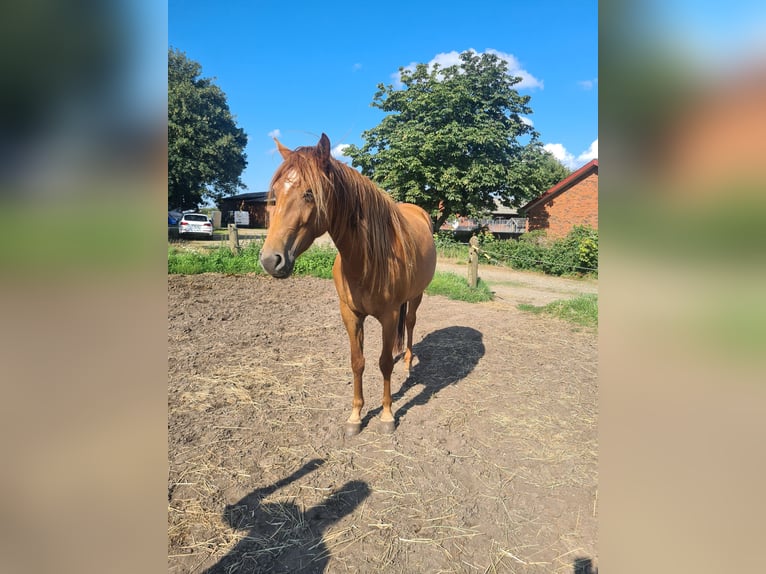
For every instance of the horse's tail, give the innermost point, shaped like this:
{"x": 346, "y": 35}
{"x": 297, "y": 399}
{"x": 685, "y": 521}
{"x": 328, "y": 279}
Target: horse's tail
{"x": 399, "y": 343}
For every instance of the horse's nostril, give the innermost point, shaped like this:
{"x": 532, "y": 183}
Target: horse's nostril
{"x": 276, "y": 264}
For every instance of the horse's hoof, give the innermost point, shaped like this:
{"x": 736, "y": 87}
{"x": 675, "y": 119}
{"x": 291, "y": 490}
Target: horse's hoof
{"x": 353, "y": 429}
{"x": 387, "y": 427}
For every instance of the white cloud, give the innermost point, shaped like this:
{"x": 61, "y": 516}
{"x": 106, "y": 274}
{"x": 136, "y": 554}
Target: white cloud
{"x": 337, "y": 151}
{"x": 274, "y": 134}
{"x": 561, "y": 154}
{"x": 514, "y": 69}
{"x": 446, "y": 59}
{"x": 527, "y": 121}
{"x": 568, "y": 159}
{"x": 588, "y": 84}
{"x": 590, "y": 153}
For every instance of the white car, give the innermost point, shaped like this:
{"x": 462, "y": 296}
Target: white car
{"x": 195, "y": 224}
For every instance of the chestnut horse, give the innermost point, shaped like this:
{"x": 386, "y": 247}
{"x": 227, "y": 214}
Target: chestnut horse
{"x": 386, "y": 255}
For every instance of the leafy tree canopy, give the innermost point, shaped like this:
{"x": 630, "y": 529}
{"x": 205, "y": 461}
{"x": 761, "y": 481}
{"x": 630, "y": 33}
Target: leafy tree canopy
{"x": 206, "y": 154}
{"x": 451, "y": 139}
{"x": 538, "y": 170}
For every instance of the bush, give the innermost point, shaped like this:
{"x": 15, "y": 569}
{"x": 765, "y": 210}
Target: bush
{"x": 587, "y": 248}
{"x": 560, "y": 257}
{"x": 577, "y": 253}
{"x": 526, "y": 255}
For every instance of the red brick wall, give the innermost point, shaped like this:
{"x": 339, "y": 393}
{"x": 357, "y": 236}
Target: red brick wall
{"x": 578, "y": 205}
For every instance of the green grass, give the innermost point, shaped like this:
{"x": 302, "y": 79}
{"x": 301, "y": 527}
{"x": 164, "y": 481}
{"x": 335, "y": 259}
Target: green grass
{"x": 582, "y": 310}
{"x": 456, "y": 287}
{"x": 221, "y": 260}
{"x": 453, "y": 251}
{"x": 316, "y": 262}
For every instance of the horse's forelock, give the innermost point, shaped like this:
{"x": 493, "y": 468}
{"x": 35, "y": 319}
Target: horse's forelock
{"x": 304, "y": 165}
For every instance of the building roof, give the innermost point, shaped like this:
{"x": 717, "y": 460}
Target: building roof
{"x": 501, "y": 209}
{"x": 254, "y": 196}
{"x": 563, "y": 185}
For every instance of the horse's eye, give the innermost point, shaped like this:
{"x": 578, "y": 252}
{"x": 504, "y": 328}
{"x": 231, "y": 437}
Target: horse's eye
{"x": 308, "y": 196}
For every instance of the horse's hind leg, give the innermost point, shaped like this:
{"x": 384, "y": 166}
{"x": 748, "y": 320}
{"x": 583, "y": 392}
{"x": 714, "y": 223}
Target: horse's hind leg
{"x": 355, "y": 327}
{"x": 410, "y": 323}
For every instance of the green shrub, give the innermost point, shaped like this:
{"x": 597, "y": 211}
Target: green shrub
{"x": 494, "y": 250}
{"x": 587, "y": 248}
{"x": 526, "y": 254}
{"x": 560, "y": 257}
{"x": 577, "y": 253}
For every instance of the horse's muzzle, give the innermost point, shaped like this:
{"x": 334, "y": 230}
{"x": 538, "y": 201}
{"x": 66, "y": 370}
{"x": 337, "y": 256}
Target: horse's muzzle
{"x": 277, "y": 264}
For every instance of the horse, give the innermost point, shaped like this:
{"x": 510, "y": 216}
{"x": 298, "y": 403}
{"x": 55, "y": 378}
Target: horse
{"x": 386, "y": 254}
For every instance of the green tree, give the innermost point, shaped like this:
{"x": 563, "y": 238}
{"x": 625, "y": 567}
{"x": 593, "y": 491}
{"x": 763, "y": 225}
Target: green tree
{"x": 450, "y": 141}
{"x": 205, "y": 147}
{"x": 537, "y": 171}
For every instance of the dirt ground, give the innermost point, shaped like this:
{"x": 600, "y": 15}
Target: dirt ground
{"x": 492, "y": 467}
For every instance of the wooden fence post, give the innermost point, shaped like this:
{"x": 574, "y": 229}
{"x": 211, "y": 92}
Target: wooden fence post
{"x": 473, "y": 262}
{"x": 233, "y": 238}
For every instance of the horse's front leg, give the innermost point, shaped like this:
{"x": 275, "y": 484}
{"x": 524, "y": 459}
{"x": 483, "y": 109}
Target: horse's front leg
{"x": 389, "y": 324}
{"x": 355, "y": 328}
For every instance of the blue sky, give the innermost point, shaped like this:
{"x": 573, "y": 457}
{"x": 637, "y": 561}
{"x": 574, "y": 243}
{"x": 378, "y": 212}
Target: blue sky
{"x": 300, "y": 69}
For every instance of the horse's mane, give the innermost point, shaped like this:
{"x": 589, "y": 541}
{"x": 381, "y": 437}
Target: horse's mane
{"x": 353, "y": 207}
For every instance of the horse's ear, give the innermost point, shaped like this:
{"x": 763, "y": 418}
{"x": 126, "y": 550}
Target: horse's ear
{"x": 284, "y": 152}
{"x": 324, "y": 148}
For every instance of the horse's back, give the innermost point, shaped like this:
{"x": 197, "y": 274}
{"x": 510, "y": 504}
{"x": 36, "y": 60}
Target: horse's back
{"x": 415, "y": 214}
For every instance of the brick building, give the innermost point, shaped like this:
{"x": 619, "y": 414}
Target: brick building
{"x": 572, "y": 201}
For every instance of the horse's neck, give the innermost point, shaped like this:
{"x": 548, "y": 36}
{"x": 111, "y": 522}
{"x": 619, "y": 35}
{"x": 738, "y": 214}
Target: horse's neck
{"x": 350, "y": 243}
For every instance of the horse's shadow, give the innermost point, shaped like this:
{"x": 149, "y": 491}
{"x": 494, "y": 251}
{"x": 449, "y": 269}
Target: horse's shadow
{"x": 584, "y": 566}
{"x": 279, "y": 536}
{"x": 445, "y": 357}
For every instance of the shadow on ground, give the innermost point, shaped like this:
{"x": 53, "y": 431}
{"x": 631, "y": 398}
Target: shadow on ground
{"x": 584, "y": 566}
{"x": 445, "y": 357}
{"x": 279, "y": 536}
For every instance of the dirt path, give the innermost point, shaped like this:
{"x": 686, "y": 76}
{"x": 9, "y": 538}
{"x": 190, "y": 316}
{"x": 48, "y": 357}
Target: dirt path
{"x": 513, "y": 287}
{"x": 492, "y": 467}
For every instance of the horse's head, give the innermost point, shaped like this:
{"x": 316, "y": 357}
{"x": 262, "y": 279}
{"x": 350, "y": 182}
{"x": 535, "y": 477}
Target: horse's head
{"x": 299, "y": 213}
